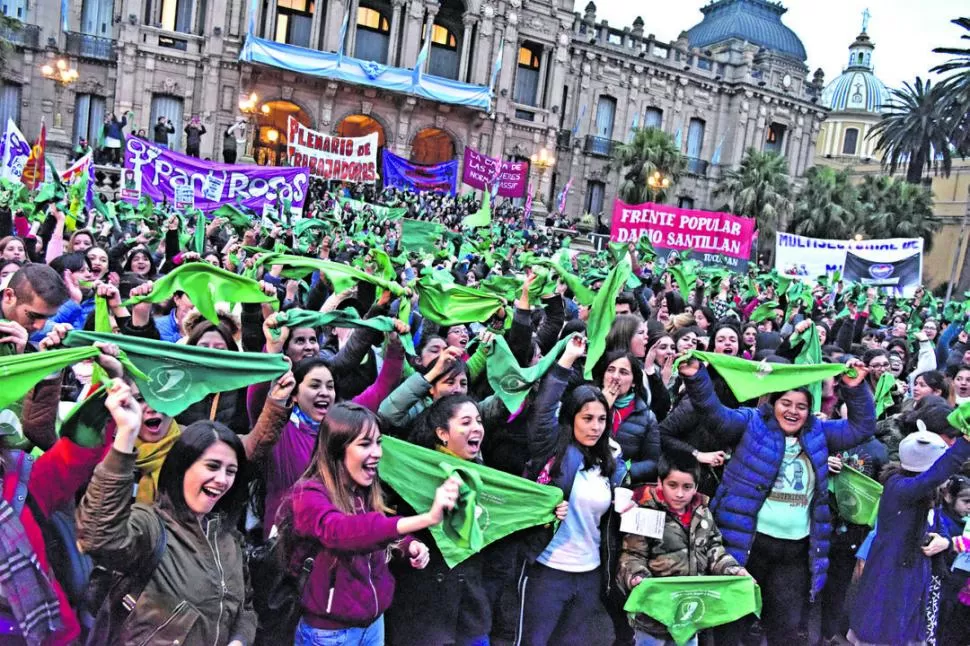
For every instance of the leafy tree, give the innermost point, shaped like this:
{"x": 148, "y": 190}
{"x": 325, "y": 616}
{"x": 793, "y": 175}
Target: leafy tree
{"x": 892, "y": 208}
{"x": 828, "y": 205}
{"x": 8, "y": 24}
{"x": 650, "y": 151}
{"x": 914, "y": 130}
{"x": 759, "y": 188}
{"x": 956, "y": 89}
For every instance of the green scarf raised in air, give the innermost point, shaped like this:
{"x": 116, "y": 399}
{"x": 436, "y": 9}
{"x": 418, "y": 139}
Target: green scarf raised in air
{"x": 21, "y": 372}
{"x": 494, "y": 505}
{"x": 347, "y": 318}
{"x": 177, "y": 376}
{"x": 688, "y": 604}
{"x": 809, "y": 354}
{"x": 857, "y": 496}
{"x": 510, "y": 381}
{"x": 340, "y": 276}
{"x": 602, "y": 313}
{"x": 883, "y": 394}
{"x": 205, "y": 286}
{"x": 752, "y": 379}
{"x": 455, "y": 304}
{"x": 421, "y": 235}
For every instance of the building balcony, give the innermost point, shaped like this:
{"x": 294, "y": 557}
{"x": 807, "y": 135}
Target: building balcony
{"x": 23, "y": 36}
{"x": 697, "y": 166}
{"x": 88, "y": 46}
{"x": 599, "y": 146}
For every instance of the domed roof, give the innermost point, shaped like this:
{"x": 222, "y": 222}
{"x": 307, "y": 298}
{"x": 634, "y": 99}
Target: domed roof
{"x": 755, "y": 21}
{"x": 857, "y": 87}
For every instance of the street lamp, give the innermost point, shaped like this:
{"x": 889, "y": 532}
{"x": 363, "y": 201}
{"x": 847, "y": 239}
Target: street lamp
{"x": 542, "y": 161}
{"x": 858, "y": 237}
{"x": 63, "y": 76}
{"x": 249, "y": 106}
{"x": 658, "y": 183}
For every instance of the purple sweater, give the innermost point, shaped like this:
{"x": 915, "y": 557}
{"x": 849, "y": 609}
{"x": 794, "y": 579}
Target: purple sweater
{"x": 291, "y": 455}
{"x": 350, "y": 585}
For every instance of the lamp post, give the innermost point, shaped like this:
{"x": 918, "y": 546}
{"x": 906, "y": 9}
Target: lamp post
{"x": 249, "y": 106}
{"x": 63, "y": 76}
{"x": 541, "y": 161}
{"x": 657, "y": 183}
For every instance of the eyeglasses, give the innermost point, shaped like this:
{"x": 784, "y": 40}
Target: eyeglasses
{"x": 877, "y": 366}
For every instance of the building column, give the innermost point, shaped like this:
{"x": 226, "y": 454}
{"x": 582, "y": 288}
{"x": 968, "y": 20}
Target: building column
{"x": 543, "y": 76}
{"x": 411, "y": 43}
{"x": 468, "y": 21}
{"x": 432, "y": 11}
{"x": 393, "y": 47}
{"x": 316, "y": 27}
{"x": 269, "y": 21}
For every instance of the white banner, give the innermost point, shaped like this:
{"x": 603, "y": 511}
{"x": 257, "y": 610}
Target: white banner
{"x": 14, "y": 152}
{"x": 329, "y": 157}
{"x": 808, "y": 258}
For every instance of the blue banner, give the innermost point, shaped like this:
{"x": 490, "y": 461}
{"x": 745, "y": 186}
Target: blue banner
{"x": 400, "y": 173}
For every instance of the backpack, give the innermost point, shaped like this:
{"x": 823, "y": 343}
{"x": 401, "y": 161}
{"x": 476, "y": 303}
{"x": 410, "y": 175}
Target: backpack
{"x": 113, "y": 595}
{"x": 276, "y": 593}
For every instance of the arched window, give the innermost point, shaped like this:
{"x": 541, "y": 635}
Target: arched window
{"x": 432, "y": 146}
{"x": 271, "y": 125}
{"x": 851, "y": 141}
{"x": 526, "y": 90}
{"x": 373, "y": 35}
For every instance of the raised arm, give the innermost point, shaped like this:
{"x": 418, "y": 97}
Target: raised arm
{"x": 860, "y": 423}
{"x": 910, "y": 490}
{"x": 543, "y": 428}
{"x": 729, "y": 423}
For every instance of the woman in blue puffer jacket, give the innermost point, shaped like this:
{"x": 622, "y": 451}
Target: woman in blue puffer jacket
{"x": 772, "y": 506}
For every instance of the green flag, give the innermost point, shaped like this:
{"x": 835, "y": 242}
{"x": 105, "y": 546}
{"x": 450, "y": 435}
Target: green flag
{"x": 236, "y": 218}
{"x": 857, "y": 496}
{"x": 483, "y": 216}
{"x": 602, "y": 313}
{"x": 687, "y": 604}
{"x": 764, "y": 311}
{"x": 205, "y": 286}
{"x": 501, "y": 505}
{"x": 381, "y": 212}
{"x": 883, "y": 394}
{"x": 685, "y": 275}
{"x": 960, "y": 418}
{"x": 510, "y": 381}
{"x": 21, "y": 372}
{"x": 199, "y": 234}
{"x": 752, "y": 379}
{"x": 455, "y": 304}
{"x": 177, "y": 376}
{"x": 809, "y": 354}
{"x": 347, "y": 318}
{"x": 421, "y": 235}
{"x": 340, "y": 276}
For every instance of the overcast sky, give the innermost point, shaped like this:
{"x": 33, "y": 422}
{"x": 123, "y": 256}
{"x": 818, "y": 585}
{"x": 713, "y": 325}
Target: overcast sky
{"x": 903, "y": 31}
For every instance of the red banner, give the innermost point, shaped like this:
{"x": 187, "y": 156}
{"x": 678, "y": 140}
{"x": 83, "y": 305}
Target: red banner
{"x": 705, "y": 233}
{"x": 34, "y": 168}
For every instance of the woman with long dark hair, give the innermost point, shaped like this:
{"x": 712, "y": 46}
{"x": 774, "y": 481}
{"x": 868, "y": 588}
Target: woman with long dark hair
{"x": 572, "y": 451}
{"x": 198, "y": 592}
{"x": 336, "y": 515}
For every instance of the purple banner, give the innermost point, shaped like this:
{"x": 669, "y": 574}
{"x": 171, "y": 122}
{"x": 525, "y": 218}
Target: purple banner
{"x": 400, "y": 173}
{"x": 160, "y": 171}
{"x": 481, "y": 171}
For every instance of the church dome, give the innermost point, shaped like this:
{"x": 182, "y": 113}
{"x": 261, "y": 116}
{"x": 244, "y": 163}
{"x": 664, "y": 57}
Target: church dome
{"x": 755, "y": 21}
{"x": 857, "y": 88}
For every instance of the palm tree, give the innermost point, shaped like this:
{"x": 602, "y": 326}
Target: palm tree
{"x": 956, "y": 89}
{"x": 914, "y": 130}
{"x": 651, "y": 151}
{"x": 828, "y": 206}
{"x": 892, "y": 208}
{"x": 759, "y": 188}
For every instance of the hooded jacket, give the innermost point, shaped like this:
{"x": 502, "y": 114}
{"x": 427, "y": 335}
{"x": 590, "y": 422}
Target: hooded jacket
{"x": 639, "y": 437}
{"x": 751, "y": 472}
{"x": 198, "y": 594}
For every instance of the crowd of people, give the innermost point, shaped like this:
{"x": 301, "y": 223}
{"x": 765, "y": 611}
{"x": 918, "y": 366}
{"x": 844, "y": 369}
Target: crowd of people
{"x": 193, "y": 519}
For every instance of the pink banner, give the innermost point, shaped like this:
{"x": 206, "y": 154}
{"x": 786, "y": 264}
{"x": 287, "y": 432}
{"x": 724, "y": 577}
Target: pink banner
{"x": 704, "y": 233}
{"x": 481, "y": 171}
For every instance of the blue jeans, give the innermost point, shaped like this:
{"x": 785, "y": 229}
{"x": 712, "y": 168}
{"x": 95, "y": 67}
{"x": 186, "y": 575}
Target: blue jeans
{"x": 373, "y": 635}
{"x": 646, "y": 639}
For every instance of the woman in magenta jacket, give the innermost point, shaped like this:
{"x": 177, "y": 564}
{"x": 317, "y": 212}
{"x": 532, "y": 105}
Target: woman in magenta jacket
{"x": 336, "y": 515}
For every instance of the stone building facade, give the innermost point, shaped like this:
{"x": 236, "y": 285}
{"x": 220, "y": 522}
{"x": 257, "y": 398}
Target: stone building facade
{"x": 569, "y": 83}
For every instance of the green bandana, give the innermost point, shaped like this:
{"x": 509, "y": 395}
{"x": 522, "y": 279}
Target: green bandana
{"x": 347, "y": 318}
{"x": 21, "y": 372}
{"x": 583, "y": 295}
{"x": 857, "y": 496}
{"x": 340, "y": 276}
{"x": 687, "y": 604}
{"x": 380, "y": 212}
{"x": 421, "y": 235}
{"x": 752, "y": 379}
{"x": 960, "y": 418}
{"x": 884, "y": 392}
{"x": 504, "y": 503}
{"x": 205, "y": 286}
{"x": 810, "y": 354}
{"x": 602, "y": 313}
{"x": 764, "y": 311}
{"x": 85, "y": 423}
{"x": 509, "y": 380}
{"x": 483, "y": 216}
{"x": 177, "y": 376}
{"x": 455, "y": 304}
